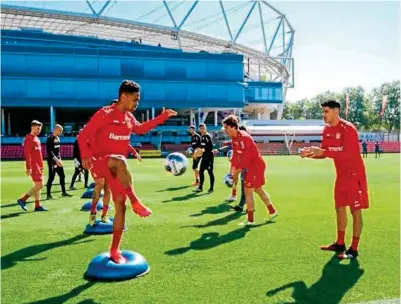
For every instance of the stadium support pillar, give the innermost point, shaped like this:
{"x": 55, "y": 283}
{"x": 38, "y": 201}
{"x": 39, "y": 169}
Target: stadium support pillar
{"x": 153, "y": 112}
{"x": 199, "y": 116}
{"x": 147, "y": 114}
{"x": 3, "y": 123}
{"x": 9, "y": 124}
{"x": 52, "y": 118}
{"x": 215, "y": 118}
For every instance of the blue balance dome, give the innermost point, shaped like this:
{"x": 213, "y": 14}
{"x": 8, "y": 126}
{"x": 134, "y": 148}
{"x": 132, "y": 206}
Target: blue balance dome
{"x": 87, "y": 206}
{"x": 102, "y": 268}
{"x": 101, "y": 228}
{"x": 89, "y": 193}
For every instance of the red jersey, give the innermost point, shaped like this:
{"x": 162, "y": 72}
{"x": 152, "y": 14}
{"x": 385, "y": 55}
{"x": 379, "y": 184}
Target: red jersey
{"x": 33, "y": 153}
{"x": 109, "y": 131}
{"x": 246, "y": 154}
{"x": 341, "y": 143}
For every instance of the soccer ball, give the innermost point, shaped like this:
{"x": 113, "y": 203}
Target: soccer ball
{"x": 190, "y": 151}
{"x": 230, "y": 155}
{"x": 176, "y": 163}
{"x": 228, "y": 180}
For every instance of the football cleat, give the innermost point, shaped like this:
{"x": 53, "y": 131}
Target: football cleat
{"x": 22, "y": 204}
{"x": 348, "y": 255}
{"x": 334, "y": 247}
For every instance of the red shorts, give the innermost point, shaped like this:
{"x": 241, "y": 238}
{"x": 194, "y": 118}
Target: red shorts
{"x": 100, "y": 169}
{"x": 37, "y": 175}
{"x": 255, "y": 176}
{"x": 98, "y": 165}
{"x": 351, "y": 193}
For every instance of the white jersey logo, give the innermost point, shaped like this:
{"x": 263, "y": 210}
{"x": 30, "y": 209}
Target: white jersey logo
{"x": 119, "y": 137}
{"x": 336, "y": 149}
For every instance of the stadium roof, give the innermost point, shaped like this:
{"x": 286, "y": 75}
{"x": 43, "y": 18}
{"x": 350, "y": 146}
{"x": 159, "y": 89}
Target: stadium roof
{"x": 285, "y": 130}
{"x": 210, "y": 26}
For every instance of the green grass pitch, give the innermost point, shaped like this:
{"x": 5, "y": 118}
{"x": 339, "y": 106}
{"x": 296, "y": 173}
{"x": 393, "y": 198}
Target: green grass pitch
{"x": 197, "y": 251}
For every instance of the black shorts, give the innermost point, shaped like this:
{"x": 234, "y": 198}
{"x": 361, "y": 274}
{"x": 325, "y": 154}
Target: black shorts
{"x": 195, "y": 163}
{"x": 207, "y": 163}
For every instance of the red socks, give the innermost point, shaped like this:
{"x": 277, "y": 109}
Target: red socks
{"x": 24, "y": 198}
{"x": 234, "y": 192}
{"x": 37, "y": 204}
{"x": 93, "y": 207}
{"x": 340, "y": 237}
{"x": 105, "y": 209}
{"x": 250, "y": 216}
{"x": 131, "y": 195}
{"x": 115, "y": 243}
{"x": 355, "y": 243}
{"x": 271, "y": 209}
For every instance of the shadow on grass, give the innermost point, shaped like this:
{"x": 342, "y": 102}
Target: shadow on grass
{"x": 174, "y": 188}
{"x": 11, "y": 215}
{"x": 184, "y": 197}
{"x": 69, "y": 295}
{"x": 24, "y": 254}
{"x": 336, "y": 280}
{"x": 213, "y": 239}
{"x": 223, "y": 207}
{"x": 219, "y": 222}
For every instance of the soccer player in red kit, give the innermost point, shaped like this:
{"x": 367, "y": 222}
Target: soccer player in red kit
{"x": 100, "y": 184}
{"x": 341, "y": 143}
{"x": 33, "y": 166}
{"x": 246, "y": 155}
{"x": 108, "y": 133}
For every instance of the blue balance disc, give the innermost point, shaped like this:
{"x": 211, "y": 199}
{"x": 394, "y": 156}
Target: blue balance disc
{"x": 87, "y": 206}
{"x": 91, "y": 186}
{"x": 102, "y": 268}
{"x": 101, "y": 228}
{"x": 89, "y": 193}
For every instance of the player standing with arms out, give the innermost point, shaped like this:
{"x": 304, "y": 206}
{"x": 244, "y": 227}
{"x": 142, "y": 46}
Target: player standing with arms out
{"x": 340, "y": 142}
{"x": 246, "y": 155}
{"x": 33, "y": 166}
{"x": 206, "y": 151}
{"x": 195, "y": 144}
{"x": 54, "y": 161}
{"x": 108, "y": 133}
{"x": 76, "y": 154}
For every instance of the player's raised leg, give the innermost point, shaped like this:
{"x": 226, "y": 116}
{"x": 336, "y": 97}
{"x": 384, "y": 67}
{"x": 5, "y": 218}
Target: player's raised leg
{"x": 124, "y": 178}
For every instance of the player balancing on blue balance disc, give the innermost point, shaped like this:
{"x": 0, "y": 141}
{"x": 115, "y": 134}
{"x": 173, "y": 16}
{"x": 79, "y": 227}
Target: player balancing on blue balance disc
{"x": 110, "y": 129}
{"x": 246, "y": 155}
{"x": 340, "y": 142}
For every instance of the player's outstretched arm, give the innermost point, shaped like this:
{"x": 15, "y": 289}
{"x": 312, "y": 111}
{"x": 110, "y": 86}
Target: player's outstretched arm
{"x": 131, "y": 150}
{"x": 142, "y": 128}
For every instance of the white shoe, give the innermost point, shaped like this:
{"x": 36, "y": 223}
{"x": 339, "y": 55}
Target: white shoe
{"x": 273, "y": 216}
{"x": 247, "y": 223}
{"x": 231, "y": 198}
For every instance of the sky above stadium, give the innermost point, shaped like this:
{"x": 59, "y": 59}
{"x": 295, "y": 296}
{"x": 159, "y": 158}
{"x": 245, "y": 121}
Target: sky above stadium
{"x": 338, "y": 44}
